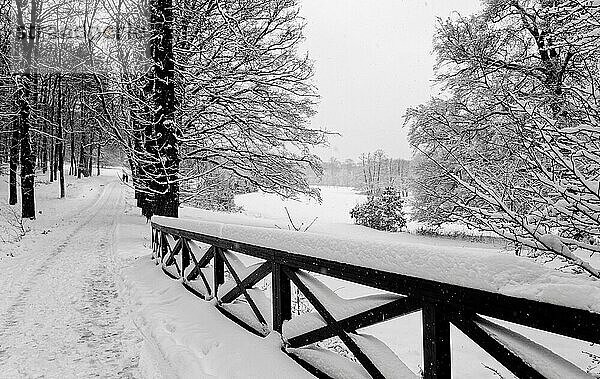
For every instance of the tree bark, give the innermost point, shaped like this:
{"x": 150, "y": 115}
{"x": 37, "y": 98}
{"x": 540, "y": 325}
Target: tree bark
{"x": 98, "y": 153}
{"x": 73, "y": 166}
{"x": 166, "y": 171}
{"x": 14, "y": 163}
{"x": 60, "y": 149}
{"x": 27, "y": 160}
{"x": 45, "y": 154}
{"x": 52, "y": 158}
{"x": 82, "y": 164}
{"x": 24, "y": 100}
{"x": 91, "y": 154}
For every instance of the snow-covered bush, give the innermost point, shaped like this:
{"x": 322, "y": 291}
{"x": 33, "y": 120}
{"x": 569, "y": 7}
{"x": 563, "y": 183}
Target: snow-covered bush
{"x": 12, "y": 227}
{"x": 382, "y": 211}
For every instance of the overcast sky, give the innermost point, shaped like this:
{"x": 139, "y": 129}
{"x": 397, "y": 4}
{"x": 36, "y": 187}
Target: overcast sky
{"x": 373, "y": 59}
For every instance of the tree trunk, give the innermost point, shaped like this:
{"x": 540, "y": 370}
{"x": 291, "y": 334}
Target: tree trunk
{"x": 73, "y": 167}
{"x": 54, "y": 156}
{"x": 27, "y": 161}
{"x": 91, "y": 155}
{"x": 14, "y": 163}
{"x": 24, "y": 100}
{"x": 60, "y": 149}
{"x": 45, "y": 154}
{"x": 136, "y": 167}
{"x": 82, "y": 164}
{"x": 52, "y": 159}
{"x": 98, "y": 156}
{"x": 166, "y": 171}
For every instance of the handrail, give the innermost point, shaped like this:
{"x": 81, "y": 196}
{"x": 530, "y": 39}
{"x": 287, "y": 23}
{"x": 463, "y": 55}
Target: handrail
{"x": 441, "y": 303}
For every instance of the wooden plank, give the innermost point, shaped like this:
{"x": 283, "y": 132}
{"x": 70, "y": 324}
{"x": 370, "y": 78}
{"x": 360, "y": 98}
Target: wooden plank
{"x": 436, "y": 343}
{"x": 157, "y": 241}
{"x": 571, "y": 322}
{"x": 176, "y": 249}
{"x": 157, "y": 257}
{"x": 255, "y": 277}
{"x": 249, "y": 299}
{"x": 219, "y": 271}
{"x": 201, "y": 263}
{"x": 282, "y": 297}
{"x": 382, "y": 313}
{"x": 164, "y": 246}
{"x": 364, "y": 360}
{"x": 185, "y": 256}
{"x": 465, "y": 323}
{"x": 153, "y": 244}
{"x": 157, "y": 244}
{"x": 197, "y": 270}
{"x": 206, "y": 284}
{"x": 210, "y": 253}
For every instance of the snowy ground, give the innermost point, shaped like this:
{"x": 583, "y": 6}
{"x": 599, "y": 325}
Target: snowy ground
{"x": 61, "y": 314}
{"x": 333, "y": 217}
{"x": 79, "y": 296}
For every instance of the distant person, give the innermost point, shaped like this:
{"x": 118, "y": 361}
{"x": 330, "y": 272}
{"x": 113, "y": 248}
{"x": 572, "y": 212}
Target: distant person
{"x": 125, "y": 177}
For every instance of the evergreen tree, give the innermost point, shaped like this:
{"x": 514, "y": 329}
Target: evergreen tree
{"x": 381, "y": 211}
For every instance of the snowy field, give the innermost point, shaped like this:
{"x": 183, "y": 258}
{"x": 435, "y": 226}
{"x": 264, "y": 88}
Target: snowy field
{"x": 333, "y": 214}
{"x": 79, "y": 295}
{"x": 335, "y": 208}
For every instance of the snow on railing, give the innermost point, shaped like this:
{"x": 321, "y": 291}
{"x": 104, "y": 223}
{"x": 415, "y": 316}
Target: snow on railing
{"x": 448, "y": 285}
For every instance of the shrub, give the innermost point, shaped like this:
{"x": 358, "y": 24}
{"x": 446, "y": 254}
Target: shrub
{"x": 382, "y": 211}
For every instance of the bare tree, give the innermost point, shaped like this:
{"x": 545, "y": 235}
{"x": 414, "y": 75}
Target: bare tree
{"x": 516, "y": 136}
{"x": 28, "y": 15}
{"x": 238, "y": 100}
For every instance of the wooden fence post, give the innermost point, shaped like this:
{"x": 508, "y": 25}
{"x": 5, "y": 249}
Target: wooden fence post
{"x": 153, "y": 239}
{"x": 282, "y": 297}
{"x": 436, "y": 343}
{"x": 185, "y": 257}
{"x": 164, "y": 246}
{"x": 219, "y": 270}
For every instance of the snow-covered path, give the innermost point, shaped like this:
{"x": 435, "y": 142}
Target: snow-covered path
{"x": 64, "y": 316}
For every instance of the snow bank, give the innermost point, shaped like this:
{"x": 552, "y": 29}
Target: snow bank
{"x": 337, "y": 366}
{"x": 330, "y": 363}
{"x": 191, "y": 339}
{"x": 491, "y": 271}
{"x": 241, "y": 309}
{"x": 544, "y": 361}
{"x": 382, "y": 357}
{"x": 198, "y": 284}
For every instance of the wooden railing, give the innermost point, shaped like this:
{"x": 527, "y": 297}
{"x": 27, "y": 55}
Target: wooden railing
{"x": 202, "y": 260}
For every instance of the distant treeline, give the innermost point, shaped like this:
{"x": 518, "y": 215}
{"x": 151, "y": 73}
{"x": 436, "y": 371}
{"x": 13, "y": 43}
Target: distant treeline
{"x": 369, "y": 173}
